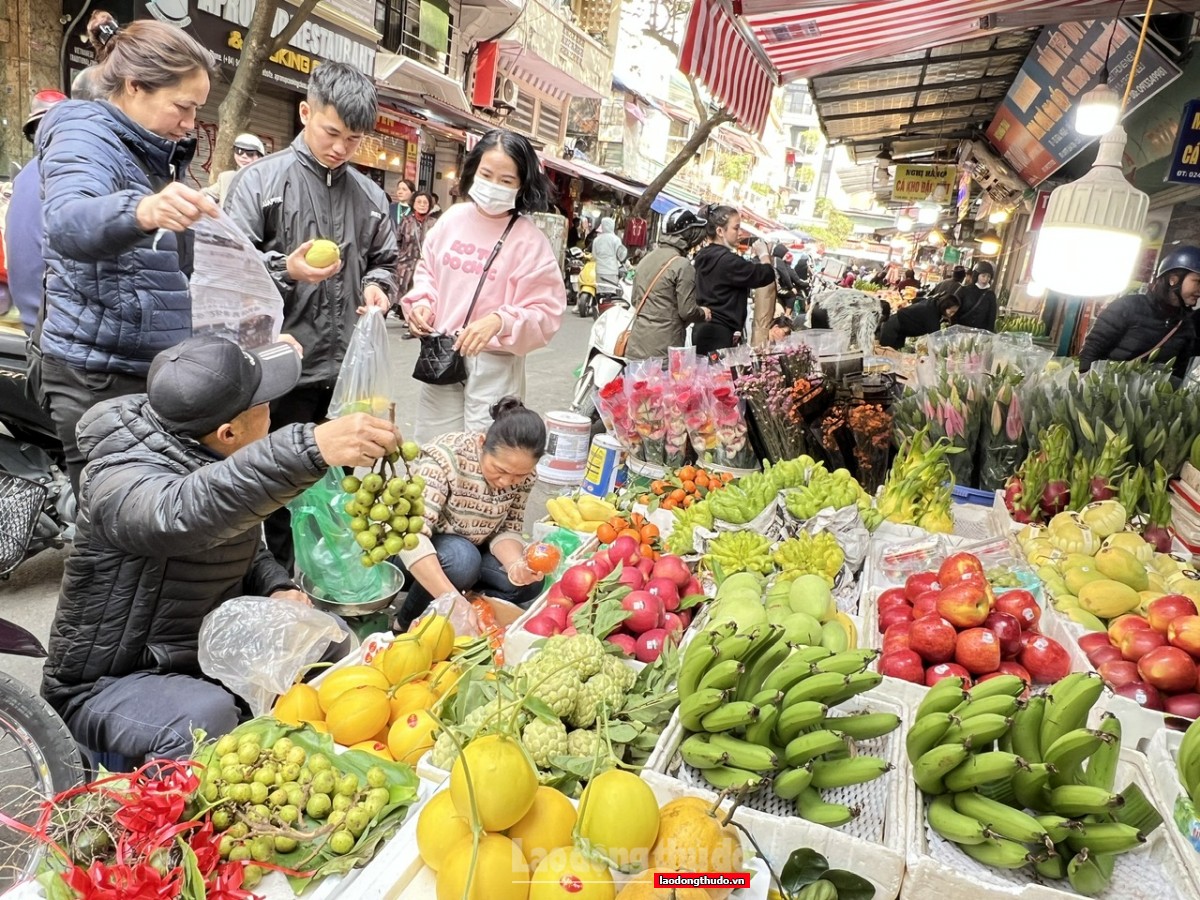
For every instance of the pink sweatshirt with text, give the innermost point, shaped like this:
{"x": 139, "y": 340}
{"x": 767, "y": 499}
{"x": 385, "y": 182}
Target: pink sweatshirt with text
{"x": 524, "y": 285}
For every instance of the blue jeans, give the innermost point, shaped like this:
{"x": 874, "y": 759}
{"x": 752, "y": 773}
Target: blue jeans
{"x": 146, "y": 716}
{"x": 468, "y": 567}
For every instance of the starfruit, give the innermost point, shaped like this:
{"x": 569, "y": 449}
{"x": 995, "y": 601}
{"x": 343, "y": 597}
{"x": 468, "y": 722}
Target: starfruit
{"x": 1105, "y": 517}
{"x": 1068, "y": 534}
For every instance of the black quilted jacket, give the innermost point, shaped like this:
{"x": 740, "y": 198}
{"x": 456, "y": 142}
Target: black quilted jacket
{"x": 166, "y": 532}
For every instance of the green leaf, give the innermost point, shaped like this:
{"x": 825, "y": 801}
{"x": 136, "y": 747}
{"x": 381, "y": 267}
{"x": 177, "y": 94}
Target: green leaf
{"x": 193, "y": 879}
{"x": 692, "y": 600}
{"x": 849, "y": 885}
{"x": 579, "y": 766}
{"x": 803, "y": 867}
{"x": 54, "y": 887}
{"x": 541, "y": 710}
{"x": 622, "y": 733}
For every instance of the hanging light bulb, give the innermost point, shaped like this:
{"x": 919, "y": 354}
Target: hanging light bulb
{"x": 999, "y": 217}
{"x": 904, "y": 222}
{"x": 1098, "y": 109}
{"x": 1035, "y": 289}
{"x": 989, "y": 243}
{"x": 927, "y": 213}
{"x": 935, "y": 238}
{"x": 1092, "y": 232}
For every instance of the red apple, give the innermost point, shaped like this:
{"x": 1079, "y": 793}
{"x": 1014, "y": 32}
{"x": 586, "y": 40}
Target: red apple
{"x": 902, "y": 664}
{"x": 685, "y": 616}
{"x": 627, "y": 642}
{"x": 693, "y": 587}
{"x": 934, "y": 674}
{"x": 1145, "y": 695}
{"x": 960, "y": 567}
{"x": 625, "y": 550}
{"x": 645, "y": 566}
{"x": 1102, "y": 655}
{"x": 1168, "y": 669}
{"x": 665, "y": 588}
{"x": 1186, "y": 705}
{"x": 1119, "y": 673}
{"x": 647, "y": 612}
{"x": 674, "y": 568}
{"x": 1093, "y": 639}
{"x": 1046, "y": 659}
{"x": 650, "y": 645}
{"x": 1022, "y": 605}
{"x": 1160, "y": 612}
{"x": 542, "y": 625}
{"x": 557, "y": 613}
{"x": 1139, "y": 642}
{"x": 1008, "y": 667}
{"x": 918, "y": 584}
{"x": 577, "y": 583}
{"x": 602, "y": 567}
{"x": 1119, "y": 626}
{"x": 892, "y": 597}
{"x": 896, "y": 637}
{"x": 631, "y": 578}
{"x": 964, "y": 605}
{"x": 925, "y": 604}
{"x": 673, "y": 625}
{"x": 894, "y": 615}
{"x": 1008, "y": 628}
{"x": 1184, "y": 633}
{"x": 933, "y": 638}
{"x": 978, "y": 651}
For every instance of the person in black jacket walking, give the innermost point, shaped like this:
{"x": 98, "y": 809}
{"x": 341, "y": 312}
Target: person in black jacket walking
{"x": 1158, "y": 322}
{"x": 178, "y": 482}
{"x": 978, "y": 305}
{"x": 920, "y": 318}
{"x": 308, "y": 191}
{"x": 789, "y": 283}
{"x": 724, "y": 279}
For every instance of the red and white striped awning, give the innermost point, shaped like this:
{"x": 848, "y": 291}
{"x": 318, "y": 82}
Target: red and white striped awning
{"x": 741, "y": 48}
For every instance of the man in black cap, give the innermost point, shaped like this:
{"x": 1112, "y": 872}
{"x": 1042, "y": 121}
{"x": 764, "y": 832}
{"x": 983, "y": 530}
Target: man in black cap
{"x": 172, "y": 499}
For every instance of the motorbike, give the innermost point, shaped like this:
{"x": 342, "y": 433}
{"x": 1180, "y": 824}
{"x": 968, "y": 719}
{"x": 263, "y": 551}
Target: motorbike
{"x": 39, "y": 760}
{"x": 585, "y": 296}
{"x": 601, "y": 363}
{"x": 574, "y": 265}
{"x": 32, "y": 463}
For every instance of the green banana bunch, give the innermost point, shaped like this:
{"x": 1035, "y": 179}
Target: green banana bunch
{"x": 1187, "y": 761}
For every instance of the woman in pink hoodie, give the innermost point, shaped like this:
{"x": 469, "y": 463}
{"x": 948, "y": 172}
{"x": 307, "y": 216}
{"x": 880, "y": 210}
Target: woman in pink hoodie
{"x": 522, "y": 300}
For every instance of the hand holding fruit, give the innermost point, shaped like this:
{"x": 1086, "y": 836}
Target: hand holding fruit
{"x": 356, "y": 440}
{"x": 520, "y": 574}
{"x": 300, "y": 268}
{"x": 176, "y": 207}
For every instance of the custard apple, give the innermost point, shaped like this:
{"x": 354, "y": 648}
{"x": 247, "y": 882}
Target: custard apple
{"x": 584, "y": 652}
{"x": 623, "y": 675}
{"x": 543, "y": 740}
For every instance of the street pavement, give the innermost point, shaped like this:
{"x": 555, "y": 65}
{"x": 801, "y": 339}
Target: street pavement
{"x": 29, "y": 596}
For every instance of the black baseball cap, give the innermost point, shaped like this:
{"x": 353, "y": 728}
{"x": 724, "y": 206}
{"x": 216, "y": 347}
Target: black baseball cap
{"x": 200, "y": 384}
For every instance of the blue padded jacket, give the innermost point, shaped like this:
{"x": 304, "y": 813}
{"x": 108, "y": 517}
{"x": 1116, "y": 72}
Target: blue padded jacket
{"x": 116, "y": 295}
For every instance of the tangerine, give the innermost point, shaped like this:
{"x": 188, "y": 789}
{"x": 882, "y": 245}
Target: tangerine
{"x": 689, "y": 487}
{"x": 689, "y": 500}
{"x": 646, "y": 551}
{"x": 701, "y": 479}
{"x": 726, "y": 477}
{"x": 633, "y": 533}
{"x": 687, "y": 473}
{"x": 658, "y": 488}
{"x": 618, "y": 523}
{"x": 542, "y": 557}
{"x": 606, "y": 534}
{"x": 669, "y": 503}
{"x": 649, "y": 532}
{"x": 678, "y": 495}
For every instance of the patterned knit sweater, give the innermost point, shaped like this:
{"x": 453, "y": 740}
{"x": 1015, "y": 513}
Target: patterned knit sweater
{"x": 459, "y": 501}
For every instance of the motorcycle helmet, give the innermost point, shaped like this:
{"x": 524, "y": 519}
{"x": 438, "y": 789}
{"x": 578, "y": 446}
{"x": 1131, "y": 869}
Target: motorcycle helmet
{"x": 1185, "y": 257}
{"x": 42, "y": 101}
{"x": 686, "y": 224}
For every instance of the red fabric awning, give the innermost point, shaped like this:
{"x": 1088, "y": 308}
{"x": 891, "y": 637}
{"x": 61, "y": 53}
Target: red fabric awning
{"x": 714, "y": 51}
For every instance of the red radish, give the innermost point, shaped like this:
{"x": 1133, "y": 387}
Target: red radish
{"x": 674, "y": 568}
{"x": 624, "y": 550}
{"x": 627, "y": 642}
{"x": 542, "y": 625}
{"x": 685, "y": 616}
{"x": 934, "y": 674}
{"x": 558, "y": 614}
{"x": 1186, "y": 705}
{"x": 650, "y": 645}
{"x": 1118, "y": 674}
{"x": 647, "y": 612}
{"x": 602, "y": 568}
{"x": 665, "y": 588}
{"x": 632, "y": 578}
{"x": 1142, "y": 694}
{"x": 1102, "y": 655}
{"x": 577, "y": 583}
{"x": 555, "y": 591}
{"x": 602, "y": 556}
{"x": 1055, "y": 498}
{"x": 1101, "y": 489}
{"x": 1158, "y": 537}
{"x": 1094, "y": 639}
{"x": 673, "y": 625}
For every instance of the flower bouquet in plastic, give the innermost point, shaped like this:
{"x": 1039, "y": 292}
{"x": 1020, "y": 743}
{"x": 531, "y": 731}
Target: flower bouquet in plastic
{"x": 612, "y": 403}
{"x": 732, "y": 447}
{"x": 646, "y": 389}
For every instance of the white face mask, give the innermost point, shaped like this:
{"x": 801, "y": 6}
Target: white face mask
{"x": 494, "y": 199}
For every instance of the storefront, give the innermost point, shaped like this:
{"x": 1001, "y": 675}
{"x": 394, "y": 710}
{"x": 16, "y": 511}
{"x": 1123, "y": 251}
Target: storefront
{"x": 390, "y": 152}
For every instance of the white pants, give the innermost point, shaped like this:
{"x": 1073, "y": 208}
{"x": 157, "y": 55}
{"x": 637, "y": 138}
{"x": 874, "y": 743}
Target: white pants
{"x": 467, "y": 407}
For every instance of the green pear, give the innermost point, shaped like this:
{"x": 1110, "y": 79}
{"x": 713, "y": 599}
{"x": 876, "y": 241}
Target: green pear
{"x": 802, "y": 629}
{"x": 749, "y": 581}
{"x": 745, "y": 612}
{"x": 810, "y": 594}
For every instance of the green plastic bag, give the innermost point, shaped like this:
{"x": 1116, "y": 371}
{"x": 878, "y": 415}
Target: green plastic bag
{"x": 325, "y": 548}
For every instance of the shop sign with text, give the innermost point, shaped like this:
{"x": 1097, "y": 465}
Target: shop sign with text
{"x": 1185, "y": 161}
{"x": 923, "y": 182}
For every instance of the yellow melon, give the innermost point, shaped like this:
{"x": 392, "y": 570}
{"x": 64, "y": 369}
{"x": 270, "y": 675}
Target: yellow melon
{"x": 339, "y": 681}
{"x": 299, "y": 703}
{"x": 358, "y": 714}
{"x": 410, "y": 737}
{"x": 405, "y": 658}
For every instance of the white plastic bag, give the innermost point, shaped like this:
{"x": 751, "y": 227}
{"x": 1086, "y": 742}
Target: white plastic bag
{"x": 256, "y": 646}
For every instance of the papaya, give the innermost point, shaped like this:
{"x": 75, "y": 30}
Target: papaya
{"x": 1108, "y": 599}
{"x": 1076, "y": 578}
{"x": 1121, "y": 565}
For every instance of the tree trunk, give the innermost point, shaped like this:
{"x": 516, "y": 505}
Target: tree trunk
{"x": 257, "y": 47}
{"x": 641, "y": 209}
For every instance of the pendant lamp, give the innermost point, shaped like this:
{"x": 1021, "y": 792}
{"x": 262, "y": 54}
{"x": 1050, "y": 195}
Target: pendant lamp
{"x": 1098, "y": 110}
{"x": 1092, "y": 232}
{"x": 989, "y": 243}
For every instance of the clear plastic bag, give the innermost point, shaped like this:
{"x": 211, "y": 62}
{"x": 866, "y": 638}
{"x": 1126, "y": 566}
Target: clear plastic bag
{"x": 256, "y": 646}
{"x": 364, "y": 381}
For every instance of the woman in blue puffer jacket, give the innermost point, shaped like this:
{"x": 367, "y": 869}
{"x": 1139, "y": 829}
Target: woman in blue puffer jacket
{"x": 118, "y": 250}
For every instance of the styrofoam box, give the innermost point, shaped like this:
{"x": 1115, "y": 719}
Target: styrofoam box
{"x": 873, "y": 845}
{"x": 410, "y": 879}
{"x": 1155, "y": 871}
{"x": 1162, "y": 752}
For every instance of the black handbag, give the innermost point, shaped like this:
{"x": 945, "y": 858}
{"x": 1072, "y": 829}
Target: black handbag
{"x": 437, "y": 361}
